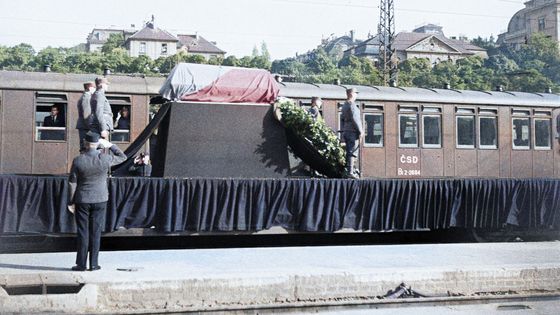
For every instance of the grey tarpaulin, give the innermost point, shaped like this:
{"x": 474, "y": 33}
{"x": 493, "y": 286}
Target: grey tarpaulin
{"x": 183, "y": 81}
{"x": 38, "y": 204}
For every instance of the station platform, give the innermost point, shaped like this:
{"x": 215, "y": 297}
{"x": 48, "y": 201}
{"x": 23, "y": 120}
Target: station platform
{"x": 239, "y": 279}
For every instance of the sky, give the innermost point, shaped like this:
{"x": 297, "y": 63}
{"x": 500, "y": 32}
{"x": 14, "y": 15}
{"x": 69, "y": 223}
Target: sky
{"x": 286, "y": 26}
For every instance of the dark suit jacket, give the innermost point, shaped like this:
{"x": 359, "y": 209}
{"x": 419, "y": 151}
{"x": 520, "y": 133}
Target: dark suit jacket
{"x": 50, "y": 122}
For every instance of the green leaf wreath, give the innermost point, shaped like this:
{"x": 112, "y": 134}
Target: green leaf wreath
{"x": 320, "y": 136}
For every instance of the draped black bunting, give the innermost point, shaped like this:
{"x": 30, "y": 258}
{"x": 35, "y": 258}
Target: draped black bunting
{"x": 38, "y": 204}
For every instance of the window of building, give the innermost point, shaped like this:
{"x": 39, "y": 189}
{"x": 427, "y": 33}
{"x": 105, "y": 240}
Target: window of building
{"x": 542, "y": 133}
{"x": 521, "y": 133}
{"x": 142, "y": 50}
{"x": 542, "y": 24}
{"x": 487, "y": 128}
{"x": 373, "y": 125}
{"x": 164, "y": 49}
{"x": 50, "y": 116}
{"x": 122, "y": 113}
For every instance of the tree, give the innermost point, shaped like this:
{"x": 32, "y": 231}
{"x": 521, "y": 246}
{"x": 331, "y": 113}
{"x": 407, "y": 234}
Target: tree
{"x": 289, "y": 66}
{"x": 117, "y": 60}
{"x": 141, "y": 64}
{"x": 412, "y": 69}
{"x": 19, "y": 57}
{"x": 231, "y": 61}
{"x": 114, "y": 41}
{"x": 264, "y": 51}
{"x": 320, "y": 62}
{"x": 55, "y": 57}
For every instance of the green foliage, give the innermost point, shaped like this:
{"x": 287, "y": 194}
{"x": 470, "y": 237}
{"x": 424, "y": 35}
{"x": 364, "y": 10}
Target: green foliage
{"x": 113, "y": 42}
{"x": 321, "y": 136}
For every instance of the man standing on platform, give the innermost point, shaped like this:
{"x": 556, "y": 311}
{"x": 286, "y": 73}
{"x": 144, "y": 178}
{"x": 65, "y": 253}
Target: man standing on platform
{"x": 89, "y": 196}
{"x": 84, "y": 113}
{"x": 102, "y": 121}
{"x": 352, "y": 130}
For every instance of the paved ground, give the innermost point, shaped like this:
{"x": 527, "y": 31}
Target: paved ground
{"x": 221, "y": 278}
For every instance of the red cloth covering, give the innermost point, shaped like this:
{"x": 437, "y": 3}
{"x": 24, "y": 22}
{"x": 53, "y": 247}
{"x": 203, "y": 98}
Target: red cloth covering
{"x": 238, "y": 86}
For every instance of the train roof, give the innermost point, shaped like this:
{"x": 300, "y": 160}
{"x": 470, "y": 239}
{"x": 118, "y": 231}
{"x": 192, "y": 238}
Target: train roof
{"x": 138, "y": 84}
{"x": 73, "y": 82}
{"x": 420, "y": 95}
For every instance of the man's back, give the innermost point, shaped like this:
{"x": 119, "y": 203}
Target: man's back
{"x": 351, "y": 118}
{"x": 89, "y": 171}
{"x": 84, "y": 111}
{"x": 101, "y": 111}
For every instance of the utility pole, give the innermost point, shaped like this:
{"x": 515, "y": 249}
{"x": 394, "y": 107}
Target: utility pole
{"x": 386, "y": 31}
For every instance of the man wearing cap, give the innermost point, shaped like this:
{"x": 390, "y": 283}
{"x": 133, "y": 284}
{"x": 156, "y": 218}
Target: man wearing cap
{"x": 351, "y": 129}
{"x": 84, "y": 113}
{"x": 102, "y": 121}
{"x": 89, "y": 195}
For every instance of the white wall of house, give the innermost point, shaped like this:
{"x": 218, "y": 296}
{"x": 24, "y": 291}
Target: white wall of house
{"x": 205, "y": 55}
{"x": 153, "y": 49}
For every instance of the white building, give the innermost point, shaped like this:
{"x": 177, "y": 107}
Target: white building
{"x": 152, "y": 42}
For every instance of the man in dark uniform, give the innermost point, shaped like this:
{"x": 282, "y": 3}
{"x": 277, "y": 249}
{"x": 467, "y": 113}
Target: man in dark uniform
{"x": 102, "y": 121}
{"x": 84, "y": 113}
{"x": 352, "y": 130}
{"x": 89, "y": 194}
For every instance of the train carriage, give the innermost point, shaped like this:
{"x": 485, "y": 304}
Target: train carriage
{"x": 410, "y": 132}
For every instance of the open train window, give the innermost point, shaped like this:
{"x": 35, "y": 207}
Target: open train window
{"x": 542, "y": 134}
{"x": 122, "y": 113}
{"x": 408, "y": 130}
{"x": 521, "y": 133}
{"x": 50, "y": 116}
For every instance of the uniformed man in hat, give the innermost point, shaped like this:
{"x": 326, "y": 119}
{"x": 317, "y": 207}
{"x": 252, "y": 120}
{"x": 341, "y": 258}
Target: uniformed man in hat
{"x": 84, "y": 113}
{"x": 89, "y": 195}
{"x": 352, "y": 130}
{"x": 102, "y": 121}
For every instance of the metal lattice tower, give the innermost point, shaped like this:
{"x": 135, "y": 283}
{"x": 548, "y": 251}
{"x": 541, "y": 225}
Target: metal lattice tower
{"x": 386, "y": 33}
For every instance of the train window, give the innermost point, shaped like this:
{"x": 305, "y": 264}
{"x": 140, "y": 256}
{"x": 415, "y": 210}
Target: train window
{"x": 50, "y": 116}
{"x": 431, "y": 127}
{"x": 465, "y": 132}
{"x": 488, "y": 132}
{"x": 521, "y": 133}
{"x": 427, "y": 109}
{"x": 122, "y": 113}
{"x": 523, "y": 112}
{"x": 462, "y": 110}
{"x": 408, "y": 130}
{"x": 374, "y": 130}
{"x": 542, "y": 134}
{"x": 542, "y": 113}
